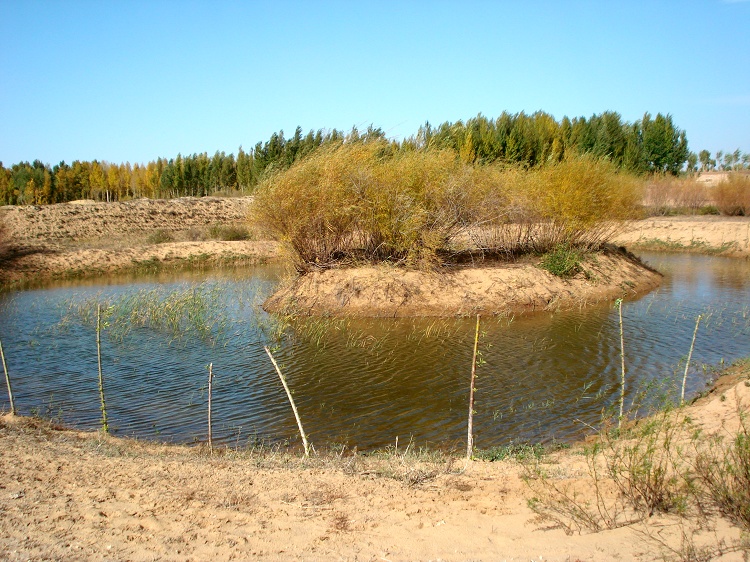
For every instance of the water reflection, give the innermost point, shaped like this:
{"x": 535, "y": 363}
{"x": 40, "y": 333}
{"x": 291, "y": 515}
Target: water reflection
{"x": 546, "y": 376}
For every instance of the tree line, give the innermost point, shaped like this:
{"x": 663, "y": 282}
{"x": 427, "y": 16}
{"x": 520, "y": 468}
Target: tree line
{"x": 649, "y": 145}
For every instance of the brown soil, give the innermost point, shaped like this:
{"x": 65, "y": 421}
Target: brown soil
{"x": 69, "y": 495}
{"x": 501, "y": 289}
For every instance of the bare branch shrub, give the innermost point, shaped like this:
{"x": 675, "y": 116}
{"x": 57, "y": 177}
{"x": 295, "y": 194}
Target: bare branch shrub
{"x": 669, "y": 194}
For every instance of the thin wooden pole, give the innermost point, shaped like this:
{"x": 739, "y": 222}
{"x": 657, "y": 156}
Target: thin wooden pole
{"x": 291, "y": 401}
{"x": 470, "y": 436}
{"x": 687, "y": 364}
{"x": 210, "y": 430}
{"x": 618, "y": 303}
{"x": 105, "y": 425}
{"x": 7, "y": 381}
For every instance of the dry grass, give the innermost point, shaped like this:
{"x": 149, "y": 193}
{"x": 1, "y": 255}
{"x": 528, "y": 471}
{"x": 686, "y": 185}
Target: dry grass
{"x": 669, "y": 195}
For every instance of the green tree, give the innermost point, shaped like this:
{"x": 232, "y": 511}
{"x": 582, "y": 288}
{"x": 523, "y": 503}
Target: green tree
{"x": 705, "y": 158}
{"x": 665, "y": 147}
{"x": 692, "y": 162}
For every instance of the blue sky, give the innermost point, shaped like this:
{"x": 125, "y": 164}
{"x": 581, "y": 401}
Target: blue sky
{"x": 132, "y": 81}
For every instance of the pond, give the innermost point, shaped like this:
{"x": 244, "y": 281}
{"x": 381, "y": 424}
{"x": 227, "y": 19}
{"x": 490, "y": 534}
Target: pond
{"x": 364, "y": 383}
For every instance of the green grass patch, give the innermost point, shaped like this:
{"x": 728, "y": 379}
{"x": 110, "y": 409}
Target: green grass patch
{"x": 562, "y": 261}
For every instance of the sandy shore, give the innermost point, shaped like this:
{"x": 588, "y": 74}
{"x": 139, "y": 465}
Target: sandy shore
{"x": 68, "y": 495}
{"x": 500, "y": 289}
{"x": 725, "y": 236}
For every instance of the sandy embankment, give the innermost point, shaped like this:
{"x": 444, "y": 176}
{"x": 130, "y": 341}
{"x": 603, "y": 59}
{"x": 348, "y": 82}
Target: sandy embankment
{"x": 382, "y": 291}
{"x": 84, "y": 239}
{"x": 68, "y": 495}
{"x": 725, "y": 236}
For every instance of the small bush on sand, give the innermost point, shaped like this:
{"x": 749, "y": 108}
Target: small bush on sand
{"x": 160, "y": 236}
{"x": 723, "y": 472}
{"x": 229, "y": 233}
{"x": 562, "y": 261}
{"x": 365, "y": 202}
{"x": 732, "y": 195}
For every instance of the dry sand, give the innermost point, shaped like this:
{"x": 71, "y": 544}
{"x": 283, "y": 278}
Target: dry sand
{"x": 84, "y": 239}
{"x": 68, "y": 495}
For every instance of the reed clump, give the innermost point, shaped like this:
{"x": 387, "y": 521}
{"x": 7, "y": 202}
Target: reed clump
{"x": 195, "y": 310}
{"x": 363, "y": 202}
{"x": 732, "y": 195}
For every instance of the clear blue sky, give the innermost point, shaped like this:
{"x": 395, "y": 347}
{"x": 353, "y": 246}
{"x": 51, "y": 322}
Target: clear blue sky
{"x": 132, "y": 81}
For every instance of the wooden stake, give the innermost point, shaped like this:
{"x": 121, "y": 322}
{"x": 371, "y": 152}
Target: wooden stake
{"x": 291, "y": 401}
{"x": 618, "y": 304}
{"x": 687, "y": 364}
{"x": 470, "y": 437}
{"x": 7, "y": 381}
{"x": 105, "y": 426}
{"x": 210, "y": 431}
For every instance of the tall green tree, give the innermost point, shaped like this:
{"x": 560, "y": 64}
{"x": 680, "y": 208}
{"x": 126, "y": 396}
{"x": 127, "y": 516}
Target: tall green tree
{"x": 665, "y": 147}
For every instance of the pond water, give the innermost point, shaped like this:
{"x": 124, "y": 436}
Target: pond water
{"x": 363, "y": 383}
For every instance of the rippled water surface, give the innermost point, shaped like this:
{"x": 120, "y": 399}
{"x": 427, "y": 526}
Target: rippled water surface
{"x": 364, "y": 383}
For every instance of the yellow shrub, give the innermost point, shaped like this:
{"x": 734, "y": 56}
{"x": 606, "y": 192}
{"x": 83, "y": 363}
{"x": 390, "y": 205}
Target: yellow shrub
{"x": 732, "y": 195}
{"x": 363, "y": 201}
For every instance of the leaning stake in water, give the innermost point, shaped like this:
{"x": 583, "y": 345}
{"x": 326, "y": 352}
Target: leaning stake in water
{"x": 210, "y": 433}
{"x": 7, "y": 381}
{"x": 291, "y": 401}
{"x": 470, "y": 437}
{"x": 687, "y": 364}
{"x": 105, "y": 426}
{"x": 618, "y": 304}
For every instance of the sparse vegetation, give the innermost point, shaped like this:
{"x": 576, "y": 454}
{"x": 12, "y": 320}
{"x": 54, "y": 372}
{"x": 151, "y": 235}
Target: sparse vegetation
{"x": 662, "y": 465}
{"x": 229, "y": 233}
{"x": 671, "y": 195}
{"x": 160, "y": 236}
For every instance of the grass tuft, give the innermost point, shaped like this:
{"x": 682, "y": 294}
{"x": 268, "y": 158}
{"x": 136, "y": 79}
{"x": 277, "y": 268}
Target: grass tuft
{"x": 562, "y": 261}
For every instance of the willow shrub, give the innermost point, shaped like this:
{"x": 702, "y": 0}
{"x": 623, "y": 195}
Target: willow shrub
{"x": 580, "y": 202}
{"x": 732, "y": 195}
{"x": 360, "y": 201}
{"x": 365, "y": 202}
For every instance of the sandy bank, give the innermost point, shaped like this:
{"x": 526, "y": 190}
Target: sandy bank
{"x": 383, "y": 291}
{"x": 86, "y": 496}
{"x": 725, "y": 236}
